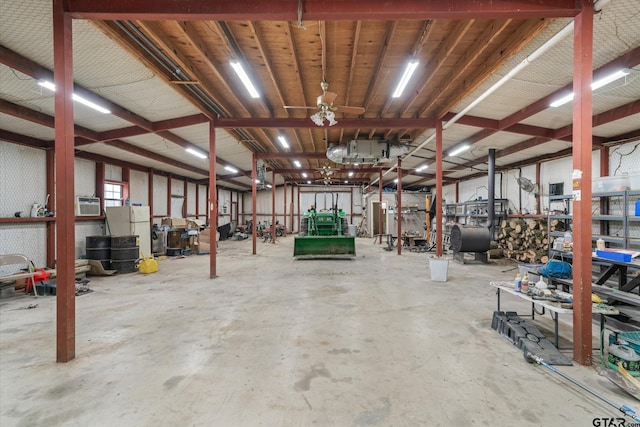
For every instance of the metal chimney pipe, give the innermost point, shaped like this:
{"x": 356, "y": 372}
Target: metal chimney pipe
{"x": 492, "y": 190}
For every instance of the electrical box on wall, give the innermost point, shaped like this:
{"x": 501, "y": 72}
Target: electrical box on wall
{"x": 87, "y": 206}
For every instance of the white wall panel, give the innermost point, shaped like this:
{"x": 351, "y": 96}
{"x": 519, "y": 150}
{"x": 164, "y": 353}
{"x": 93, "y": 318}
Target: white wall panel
{"x": 22, "y": 178}
{"x": 112, "y": 173}
{"x": 84, "y": 177}
{"x": 160, "y": 194}
{"x": 139, "y": 187}
{"x": 202, "y": 194}
{"x": 177, "y": 187}
{"x": 624, "y": 159}
{"x": 191, "y": 198}
{"x": 28, "y": 240}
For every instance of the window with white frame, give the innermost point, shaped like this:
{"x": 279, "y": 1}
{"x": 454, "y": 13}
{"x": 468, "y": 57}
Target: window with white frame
{"x": 113, "y": 194}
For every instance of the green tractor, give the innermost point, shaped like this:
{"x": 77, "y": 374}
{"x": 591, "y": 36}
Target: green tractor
{"x": 324, "y": 233}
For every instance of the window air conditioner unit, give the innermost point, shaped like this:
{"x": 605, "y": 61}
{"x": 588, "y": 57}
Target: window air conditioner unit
{"x": 87, "y": 206}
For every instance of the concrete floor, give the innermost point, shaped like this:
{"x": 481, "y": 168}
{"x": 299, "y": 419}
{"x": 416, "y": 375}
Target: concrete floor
{"x": 277, "y": 342}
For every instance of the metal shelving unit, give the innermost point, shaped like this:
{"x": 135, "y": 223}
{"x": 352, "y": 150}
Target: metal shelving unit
{"x": 613, "y": 218}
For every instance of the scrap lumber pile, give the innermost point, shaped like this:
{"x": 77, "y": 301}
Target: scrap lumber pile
{"x": 524, "y": 240}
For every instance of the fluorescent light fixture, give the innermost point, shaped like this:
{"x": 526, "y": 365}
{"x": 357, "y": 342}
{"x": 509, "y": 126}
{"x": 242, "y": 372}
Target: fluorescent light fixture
{"x": 346, "y": 182}
{"x": 421, "y": 168}
{"x": 594, "y": 86}
{"x": 395, "y": 180}
{"x": 408, "y": 72}
{"x": 48, "y": 85}
{"x": 196, "y": 153}
{"x": 350, "y": 174}
{"x": 258, "y": 181}
{"x": 308, "y": 182}
{"x": 237, "y": 67}
{"x": 268, "y": 185}
{"x": 297, "y": 163}
{"x": 608, "y": 79}
{"x": 231, "y": 169}
{"x": 304, "y": 174}
{"x": 459, "y": 150}
{"x": 356, "y": 164}
{"x": 562, "y": 101}
{"x": 283, "y": 141}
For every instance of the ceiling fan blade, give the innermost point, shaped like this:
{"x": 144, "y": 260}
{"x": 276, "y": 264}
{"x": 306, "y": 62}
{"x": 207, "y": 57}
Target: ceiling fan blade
{"x": 300, "y": 106}
{"x": 328, "y": 98}
{"x": 350, "y": 110}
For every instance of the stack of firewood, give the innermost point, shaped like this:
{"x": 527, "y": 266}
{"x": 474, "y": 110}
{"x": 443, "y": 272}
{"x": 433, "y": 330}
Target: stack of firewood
{"x": 524, "y": 240}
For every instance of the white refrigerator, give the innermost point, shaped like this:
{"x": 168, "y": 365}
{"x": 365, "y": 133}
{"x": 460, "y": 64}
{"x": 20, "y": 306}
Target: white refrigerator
{"x": 131, "y": 220}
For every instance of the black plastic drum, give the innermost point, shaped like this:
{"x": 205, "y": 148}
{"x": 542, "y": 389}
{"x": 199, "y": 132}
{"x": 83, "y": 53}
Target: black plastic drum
{"x": 99, "y": 248}
{"x": 124, "y": 253}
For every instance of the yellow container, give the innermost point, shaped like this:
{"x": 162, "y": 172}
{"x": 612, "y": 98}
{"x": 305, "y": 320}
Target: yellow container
{"x": 148, "y": 265}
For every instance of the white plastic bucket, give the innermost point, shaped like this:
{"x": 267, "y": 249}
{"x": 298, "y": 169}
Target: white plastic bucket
{"x": 439, "y": 269}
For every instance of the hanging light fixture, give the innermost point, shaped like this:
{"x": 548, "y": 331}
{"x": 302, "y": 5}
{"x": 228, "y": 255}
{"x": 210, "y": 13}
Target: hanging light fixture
{"x": 322, "y": 115}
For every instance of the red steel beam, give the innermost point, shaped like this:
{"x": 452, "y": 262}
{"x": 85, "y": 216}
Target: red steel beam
{"x": 439, "y": 193}
{"x": 285, "y": 123}
{"x": 27, "y": 141}
{"x": 326, "y": 10}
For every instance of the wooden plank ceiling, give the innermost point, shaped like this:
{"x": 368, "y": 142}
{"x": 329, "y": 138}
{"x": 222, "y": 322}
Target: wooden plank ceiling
{"x": 361, "y": 60}
{"x": 359, "y": 48}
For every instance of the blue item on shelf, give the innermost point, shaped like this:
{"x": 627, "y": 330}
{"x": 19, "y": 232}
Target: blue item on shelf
{"x": 614, "y": 255}
{"x": 638, "y": 207}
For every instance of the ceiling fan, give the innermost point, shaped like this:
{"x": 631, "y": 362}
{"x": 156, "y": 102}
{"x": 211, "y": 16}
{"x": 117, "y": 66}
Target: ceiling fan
{"x": 326, "y": 109}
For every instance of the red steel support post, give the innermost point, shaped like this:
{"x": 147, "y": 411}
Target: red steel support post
{"x": 379, "y": 207}
{"x": 65, "y": 216}
{"x": 273, "y": 206}
{"x": 284, "y": 217}
{"x": 438, "y": 198}
{"x": 213, "y": 201}
{"x": 254, "y": 192}
{"x": 582, "y": 144}
{"x": 399, "y": 207}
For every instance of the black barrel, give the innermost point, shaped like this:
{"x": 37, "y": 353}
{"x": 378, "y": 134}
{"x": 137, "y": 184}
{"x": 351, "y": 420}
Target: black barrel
{"x": 99, "y": 248}
{"x": 124, "y": 253}
{"x": 470, "y": 238}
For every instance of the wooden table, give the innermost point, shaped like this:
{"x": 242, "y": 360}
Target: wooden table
{"x": 553, "y": 307}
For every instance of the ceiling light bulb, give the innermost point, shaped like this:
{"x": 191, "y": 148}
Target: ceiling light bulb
{"x": 317, "y": 118}
{"x": 196, "y": 153}
{"x": 459, "y": 150}
{"x": 268, "y": 185}
{"x": 231, "y": 169}
{"x": 350, "y": 173}
{"x": 594, "y": 86}
{"x": 237, "y": 67}
{"x": 331, "y": 117}
{"x": 406, "y": 76}
{"x": 308, "y": 182}
{"x": 283, "y": 141}
{"x": 48, "y": 85}
{"x": 304, "y": 174}
{"x": 421, "y": 168}
{"x": 257, "y": 181}
{"x": 297, "y": 163}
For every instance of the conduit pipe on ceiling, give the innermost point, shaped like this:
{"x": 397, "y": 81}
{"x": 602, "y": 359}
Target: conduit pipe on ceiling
{"x": 597, "y": 7}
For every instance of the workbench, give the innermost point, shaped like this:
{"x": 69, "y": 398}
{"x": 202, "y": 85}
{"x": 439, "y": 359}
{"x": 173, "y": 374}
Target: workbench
{"x": 609, "y": 268}
{"x": 553, "y": 307}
